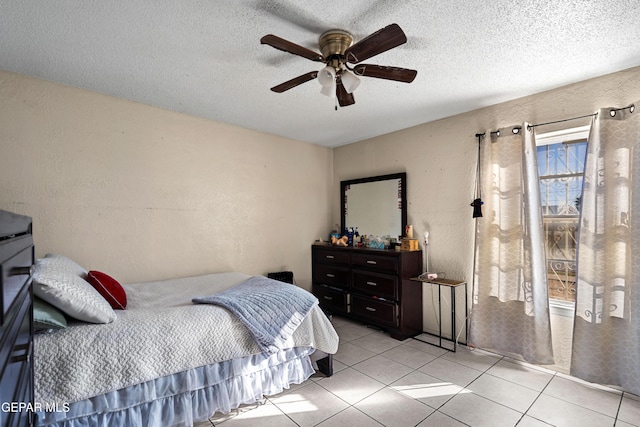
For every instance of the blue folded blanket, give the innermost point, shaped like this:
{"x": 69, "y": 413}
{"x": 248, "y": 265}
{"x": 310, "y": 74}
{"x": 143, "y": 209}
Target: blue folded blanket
{"x": 270, "y": 309}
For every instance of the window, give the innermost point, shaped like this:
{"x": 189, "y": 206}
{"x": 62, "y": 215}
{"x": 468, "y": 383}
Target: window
{"x": 561, "y": 157}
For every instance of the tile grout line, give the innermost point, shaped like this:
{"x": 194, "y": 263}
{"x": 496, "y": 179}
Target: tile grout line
{"x": 619, "y": 407}
{"x": 525, "y": 413}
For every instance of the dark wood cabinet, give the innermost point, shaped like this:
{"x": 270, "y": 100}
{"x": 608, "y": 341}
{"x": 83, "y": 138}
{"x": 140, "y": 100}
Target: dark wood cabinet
{"x": 16, "y": 324}
{"x": 370, "y": 285}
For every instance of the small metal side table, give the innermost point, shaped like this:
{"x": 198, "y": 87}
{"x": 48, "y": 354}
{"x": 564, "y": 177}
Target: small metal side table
{"x": 452, "y": 285}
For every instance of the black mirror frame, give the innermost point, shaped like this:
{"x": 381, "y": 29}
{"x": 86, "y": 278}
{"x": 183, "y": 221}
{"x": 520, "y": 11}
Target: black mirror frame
{"x": 402, "y": 176}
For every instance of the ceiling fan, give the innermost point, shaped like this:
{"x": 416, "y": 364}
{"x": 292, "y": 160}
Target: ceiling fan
{"x": 338, "y": 51}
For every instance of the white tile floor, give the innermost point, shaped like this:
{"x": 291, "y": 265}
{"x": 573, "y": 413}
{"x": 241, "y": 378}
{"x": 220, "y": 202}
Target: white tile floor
{"x": 381, "y": 381}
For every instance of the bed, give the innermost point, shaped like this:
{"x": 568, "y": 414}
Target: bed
{"x": 162, "y": 359}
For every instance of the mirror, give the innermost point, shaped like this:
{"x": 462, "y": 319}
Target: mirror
{"x": 376, "y": 205}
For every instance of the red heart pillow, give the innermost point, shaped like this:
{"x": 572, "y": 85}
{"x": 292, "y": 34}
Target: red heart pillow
{"x": 109, "y": 288}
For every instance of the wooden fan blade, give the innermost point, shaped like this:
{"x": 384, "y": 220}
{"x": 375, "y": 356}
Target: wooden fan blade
{"x": 295, "y": 82}
{"x": 344, "y": 98}
{"x": 287, "y": 46}
{"x": 378, "y": 42}
{"x": 398, "y": 74}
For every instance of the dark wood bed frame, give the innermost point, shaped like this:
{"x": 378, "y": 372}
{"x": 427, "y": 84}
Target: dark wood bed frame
{"x": 16, "y": 320}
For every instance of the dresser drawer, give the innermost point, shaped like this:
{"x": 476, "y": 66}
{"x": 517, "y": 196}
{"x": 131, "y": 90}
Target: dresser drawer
{"x": 376, "y": 262}
{"x": 332, "y": 299}
{"x": 380, "y": 285}
{"x": 327, "y": 256}
{"x": 330, "y": 275}
{"x": 381, "y": 312}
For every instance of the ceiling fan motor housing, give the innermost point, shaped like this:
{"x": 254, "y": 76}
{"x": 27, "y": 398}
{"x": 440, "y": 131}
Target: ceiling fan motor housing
{"x": 333, "y": 44}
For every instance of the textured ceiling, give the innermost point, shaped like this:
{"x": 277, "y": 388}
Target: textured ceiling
{"x": 204, "y": 58}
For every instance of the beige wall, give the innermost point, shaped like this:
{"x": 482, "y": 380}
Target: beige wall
{"x": 144, "y": 194}
{"x": 440, "y": 158}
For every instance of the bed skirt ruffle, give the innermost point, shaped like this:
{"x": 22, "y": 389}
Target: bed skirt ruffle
{"x": 189, "y": 396}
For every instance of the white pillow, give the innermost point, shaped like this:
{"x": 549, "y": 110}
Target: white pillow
{"x": 62, "y": 264}
{"x": 56, "y": 282}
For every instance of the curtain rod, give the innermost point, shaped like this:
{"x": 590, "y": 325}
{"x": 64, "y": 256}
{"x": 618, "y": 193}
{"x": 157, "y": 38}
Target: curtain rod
{"x": 529, "y": 127}
{"x": 516, "y": 129}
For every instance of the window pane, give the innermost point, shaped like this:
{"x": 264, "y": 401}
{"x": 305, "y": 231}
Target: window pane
{"x": 560, "y": 195}
{"x": 576, "y": 157}
{"x": 560, "y": 168}
{"x": 561, "y": 256}
{"x": 542, "y": 160}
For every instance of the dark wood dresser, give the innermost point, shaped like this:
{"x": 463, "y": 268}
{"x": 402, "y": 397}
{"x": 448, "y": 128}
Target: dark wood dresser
{"x": 371, "y": 285}
{"x": 16, "y": 333}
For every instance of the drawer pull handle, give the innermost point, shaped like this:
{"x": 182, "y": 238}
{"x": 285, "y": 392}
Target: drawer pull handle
{"x": 19, "y": 271}
{"x": 331, "y": 275}
{"x": 371, "y": 262}
{"x": 328, "y": 298}
{"x": 330, "y": 257}
{"x": 21, "y": 353}
{"x": 370, "y": 308}
{"x": 372, "y": 284}
{"x": 20, "y": 358}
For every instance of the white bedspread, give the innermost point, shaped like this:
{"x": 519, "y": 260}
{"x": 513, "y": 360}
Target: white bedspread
{"x": 160, "y": 333}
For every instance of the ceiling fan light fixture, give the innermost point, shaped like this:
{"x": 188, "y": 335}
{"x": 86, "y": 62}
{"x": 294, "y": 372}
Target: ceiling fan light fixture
{"x": 350, "y": 81}
{"x": 329, "y": 90}
{"x": 327, "y": 76}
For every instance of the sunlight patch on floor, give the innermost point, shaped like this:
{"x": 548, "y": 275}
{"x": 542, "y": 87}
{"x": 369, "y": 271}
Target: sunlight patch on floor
{"x": 294, "y": 403}
{"x": 422, "y": 391}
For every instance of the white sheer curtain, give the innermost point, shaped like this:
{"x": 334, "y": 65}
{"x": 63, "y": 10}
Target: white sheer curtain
{"x": 606, "y": 336}
{"x": 510, "y": 310}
